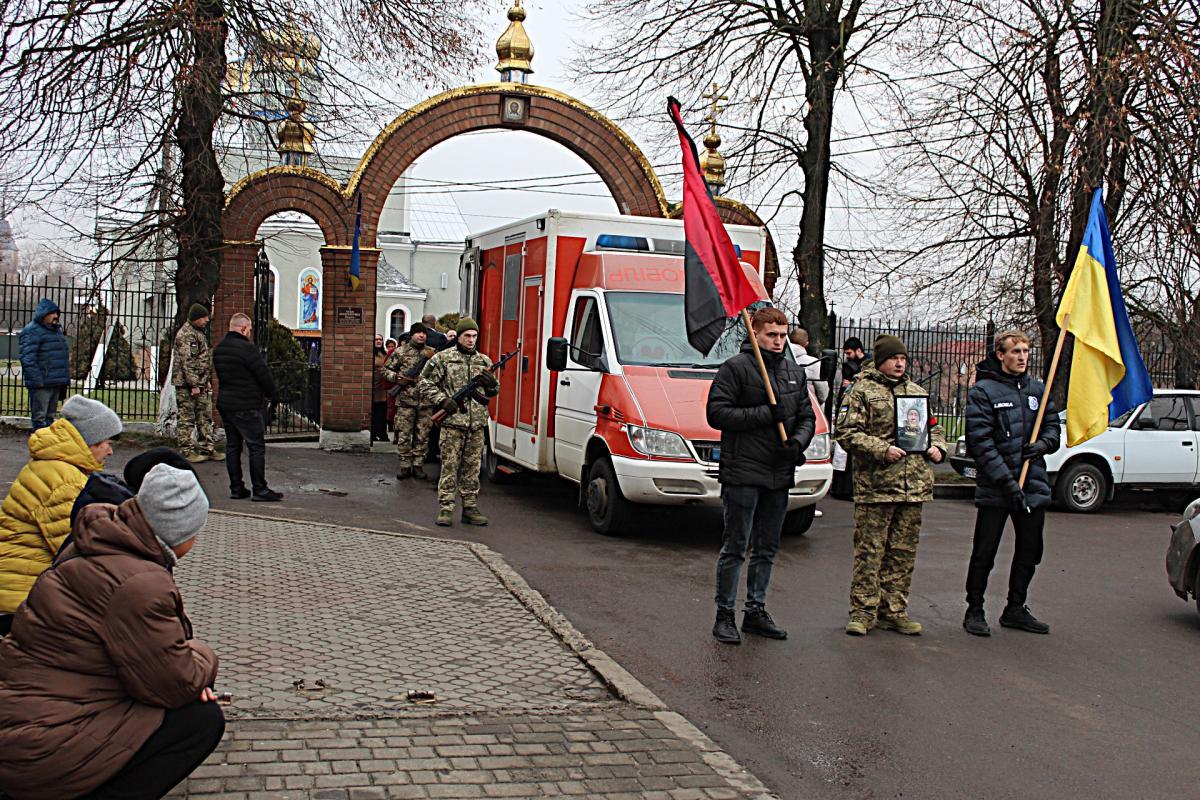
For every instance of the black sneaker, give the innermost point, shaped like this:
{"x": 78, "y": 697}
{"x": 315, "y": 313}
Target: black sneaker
{"x": 759, "y": 622}
{"x": 267, "y": 496}
{"x": 974, "y": 622}
{"x": 1019, "y": 617}
{"x": 239, "y": 494}
{"x": 725, "y": 628}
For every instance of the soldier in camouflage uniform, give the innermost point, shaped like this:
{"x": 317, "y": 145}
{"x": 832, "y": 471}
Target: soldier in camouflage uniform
{"x": 413, "y": 417}
{"x": 192, "y": 378}
{"x": 890, "y": 487}
{"x": 463, "y": 428}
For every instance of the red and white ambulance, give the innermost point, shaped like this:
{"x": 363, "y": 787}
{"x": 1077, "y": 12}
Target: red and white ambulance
{"x": 605, "y": 390}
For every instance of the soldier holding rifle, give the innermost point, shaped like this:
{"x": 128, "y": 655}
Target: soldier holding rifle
{"x": 446, "y": 375}
{"x": 413, "y": 416}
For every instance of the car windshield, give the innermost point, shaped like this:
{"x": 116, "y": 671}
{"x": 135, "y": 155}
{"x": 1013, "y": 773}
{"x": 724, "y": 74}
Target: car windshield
{"x": 649, "y": 330}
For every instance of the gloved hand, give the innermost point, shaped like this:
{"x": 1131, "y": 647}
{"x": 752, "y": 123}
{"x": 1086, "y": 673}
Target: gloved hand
{"x": 1031, "y": 451}
{"x": 449, "y": 406}
{"x": 1015, "y": 497}
{"x": 488, "y": 382}
{"x": 778, "y": 413}
{"x": 796, "y": 452}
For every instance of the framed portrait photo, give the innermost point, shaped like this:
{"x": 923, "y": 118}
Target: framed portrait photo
{"x": 912, "y": 424}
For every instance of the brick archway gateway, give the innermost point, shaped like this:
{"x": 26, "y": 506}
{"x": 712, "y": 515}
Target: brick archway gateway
{"x": 349, "y": 314}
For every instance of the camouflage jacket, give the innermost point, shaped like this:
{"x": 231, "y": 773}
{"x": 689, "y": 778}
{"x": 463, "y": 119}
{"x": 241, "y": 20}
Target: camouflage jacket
{"x": 193, "y": 359}
{"x": 402, "y": 362}
{"x": 446, "y": 373}
{"x": 866, "y": 428}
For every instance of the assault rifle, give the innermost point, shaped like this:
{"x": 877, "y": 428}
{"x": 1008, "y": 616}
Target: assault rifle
{"x": 411, "y": 374}
{"x": 471, "y": 390}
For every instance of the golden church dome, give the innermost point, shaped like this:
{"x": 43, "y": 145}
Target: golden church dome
{"x": 514, "y": 48}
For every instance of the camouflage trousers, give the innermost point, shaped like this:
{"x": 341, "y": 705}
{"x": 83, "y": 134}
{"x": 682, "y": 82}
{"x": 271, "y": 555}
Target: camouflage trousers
{"x": 885, "y": 552}
{"x": 195, "y": 414}
{"x": 412, "y": 427}
{"x": 462, "y": 450}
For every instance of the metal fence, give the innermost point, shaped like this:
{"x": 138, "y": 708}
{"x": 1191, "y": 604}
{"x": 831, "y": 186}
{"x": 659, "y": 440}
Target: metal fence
{"x": 116, "y": 338}
{"x": 942, "y": 358}
{"x": 120, "y": 352}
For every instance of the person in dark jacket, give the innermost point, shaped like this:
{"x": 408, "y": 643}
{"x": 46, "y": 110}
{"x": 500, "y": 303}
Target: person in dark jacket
{"x": 103, "y": 691}
{"x": 102, "y": 487}
{"x": 1002, "y": 408}
{"x": 756, "y": 468}
{"x": 244, "y": 385}
{"x": 45, "y": 360}
{"x": 434, "y": 338}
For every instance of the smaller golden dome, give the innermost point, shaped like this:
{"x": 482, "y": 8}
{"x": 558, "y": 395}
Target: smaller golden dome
{"x": 296, "y": 135}
{"x": 713, "y": 163}
{"x": 514, "y": 48}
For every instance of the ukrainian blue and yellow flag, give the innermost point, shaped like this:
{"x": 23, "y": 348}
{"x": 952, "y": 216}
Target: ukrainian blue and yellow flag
{"x": 1108, "y": 376}
{"x": 355, "y": 256}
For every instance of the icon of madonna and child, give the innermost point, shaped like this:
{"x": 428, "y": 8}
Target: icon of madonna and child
{"x": 310, "y": 300}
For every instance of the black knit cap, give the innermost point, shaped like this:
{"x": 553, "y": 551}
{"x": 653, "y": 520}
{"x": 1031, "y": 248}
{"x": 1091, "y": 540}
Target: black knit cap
{"x": 887, "y": 346}
{"x": 418, "y": 327}
{"x": 139, "y": 465}
{"x": 196, "y": 312}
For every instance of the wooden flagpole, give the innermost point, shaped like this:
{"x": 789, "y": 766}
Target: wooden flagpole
{"x": 1037, "y": 423}
{"x": 762, "y": 370}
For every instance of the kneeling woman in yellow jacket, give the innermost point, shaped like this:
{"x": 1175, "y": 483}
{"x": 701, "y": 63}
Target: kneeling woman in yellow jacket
{"x": 35, "y": 517}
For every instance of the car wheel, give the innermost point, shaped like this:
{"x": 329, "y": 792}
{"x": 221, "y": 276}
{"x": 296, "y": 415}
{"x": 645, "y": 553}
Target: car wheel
{"x": 1196, "y": 587}
{"x": 607, "y": 509}
{"x": 490, "y": 463}
{"x": 797, "y": 522}
{"x": 1081, "y": 487}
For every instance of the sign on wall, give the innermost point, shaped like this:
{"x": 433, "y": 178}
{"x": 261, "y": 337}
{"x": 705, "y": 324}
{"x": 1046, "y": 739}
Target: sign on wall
{"x": 310, "y": 300}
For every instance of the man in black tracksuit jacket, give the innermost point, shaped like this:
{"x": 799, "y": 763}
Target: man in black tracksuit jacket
{"x": 1002, "y": 407}
{"x": 244, "y": 384}
{"x": 756, "y": 468}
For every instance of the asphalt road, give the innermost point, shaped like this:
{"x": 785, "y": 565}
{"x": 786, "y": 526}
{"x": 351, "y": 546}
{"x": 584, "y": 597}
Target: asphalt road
{"x": 1106, "y": 706}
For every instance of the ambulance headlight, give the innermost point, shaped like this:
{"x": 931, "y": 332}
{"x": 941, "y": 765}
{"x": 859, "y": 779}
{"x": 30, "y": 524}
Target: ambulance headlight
{"x": 651, "y": 442}
{"x": 818, "y": 448}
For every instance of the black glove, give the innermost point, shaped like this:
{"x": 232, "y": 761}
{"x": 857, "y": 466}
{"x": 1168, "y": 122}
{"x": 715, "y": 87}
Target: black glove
{"x": 795, "y": 453}
{"x": 778, "y": 413}
{"x": 1031, "y": 451}
{"x": 487, "y": 381}
{"x": 449, "y": 406}
{"x": 1015, "y": 497}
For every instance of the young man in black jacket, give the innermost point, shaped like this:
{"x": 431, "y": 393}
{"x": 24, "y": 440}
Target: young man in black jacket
{"x": 757, "y": 468}
{"x": 244, "y": 384}
{"x": 1002, "y": 407}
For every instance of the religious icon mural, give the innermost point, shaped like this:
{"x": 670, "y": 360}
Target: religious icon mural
{"x": 310, "y": 300}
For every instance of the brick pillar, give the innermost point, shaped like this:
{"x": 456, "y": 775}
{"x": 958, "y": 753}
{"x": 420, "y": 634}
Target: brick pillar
{"x": 235, "y": 292}
{"x": 346, "y": 359}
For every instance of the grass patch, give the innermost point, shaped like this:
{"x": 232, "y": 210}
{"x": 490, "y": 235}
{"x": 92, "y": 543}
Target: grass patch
{"x": 131, "y": 404}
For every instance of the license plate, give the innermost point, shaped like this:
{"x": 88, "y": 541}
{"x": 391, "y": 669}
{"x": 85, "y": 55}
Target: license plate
{"x": 716, "y": 454}
{"x": 969, "y": 472}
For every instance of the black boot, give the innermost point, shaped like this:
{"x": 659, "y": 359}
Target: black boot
{"x": 725, "y": 628}
{"x": 1019, "y": 617}
{"x": 404, "y": 474}
{"x": 418, "y": 472}
{"x": 974, "y": 622}
{"x": 758, "y": 621}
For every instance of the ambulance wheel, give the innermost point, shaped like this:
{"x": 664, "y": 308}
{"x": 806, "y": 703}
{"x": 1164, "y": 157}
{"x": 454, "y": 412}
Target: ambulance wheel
{"x": 490, "y": 464}
{"x": 607, "y": 509}
{"x": 797, "y": 522}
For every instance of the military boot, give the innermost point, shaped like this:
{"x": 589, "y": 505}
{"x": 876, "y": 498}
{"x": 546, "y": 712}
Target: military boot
{"x": 216, "y": 455}
{"x": 445, "y": 517}
{"x": 758, "y": 621}
{"x": 900, "y": 623}
{"x": 473, "y": 516}
{"x": 858, "y": 625}
{"x": 418, "y": 472}
{"x": 404, "y": 474}
{"x": 197, "y": 458}
{"x": 1019, "y": 617}
{"x": 725, "y": 628}
{"x": 975, "y": 623}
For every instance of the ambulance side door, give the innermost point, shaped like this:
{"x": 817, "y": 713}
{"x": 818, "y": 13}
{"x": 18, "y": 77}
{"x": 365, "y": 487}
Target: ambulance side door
{"x": 579, "y": 385}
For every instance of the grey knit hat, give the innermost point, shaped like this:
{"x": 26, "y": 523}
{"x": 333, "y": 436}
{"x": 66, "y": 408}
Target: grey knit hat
{"x": 94, "y": 420}
{"x": 173, "y": 503}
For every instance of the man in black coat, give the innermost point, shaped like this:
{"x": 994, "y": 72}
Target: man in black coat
{"x": 756, "y": 468}
{"x": 1002, "y": 408}
{"x": 244, "y": 385}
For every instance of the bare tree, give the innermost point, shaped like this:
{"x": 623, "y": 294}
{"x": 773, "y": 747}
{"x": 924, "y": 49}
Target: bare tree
{"x": 784, "y": 63}
{"x": 112, "y": 106}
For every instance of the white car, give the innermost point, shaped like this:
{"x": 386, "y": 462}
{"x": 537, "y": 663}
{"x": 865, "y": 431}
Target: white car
{"x": 1155, "y": 446}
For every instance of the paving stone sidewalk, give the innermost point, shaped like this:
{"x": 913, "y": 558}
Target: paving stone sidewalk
{"x": 323, "y": 631}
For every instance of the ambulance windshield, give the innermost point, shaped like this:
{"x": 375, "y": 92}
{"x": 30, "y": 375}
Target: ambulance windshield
{"x": 648, "y": 329}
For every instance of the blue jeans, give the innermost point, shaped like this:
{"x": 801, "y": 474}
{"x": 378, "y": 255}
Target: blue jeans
{"x": 43, "y": 405}
{"x": 753, "y": 520}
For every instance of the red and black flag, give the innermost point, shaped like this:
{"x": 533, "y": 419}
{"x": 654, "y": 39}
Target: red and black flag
{"x": 715, "y": 286}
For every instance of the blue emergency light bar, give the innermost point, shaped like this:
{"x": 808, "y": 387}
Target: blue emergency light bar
{"x": 612, "y": 241}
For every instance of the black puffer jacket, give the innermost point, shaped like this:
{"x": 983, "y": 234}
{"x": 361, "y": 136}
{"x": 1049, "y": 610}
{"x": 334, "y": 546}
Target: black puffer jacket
{"x": 1001, "y": 410}
{"x": 751, "y": 453}
{"x": 243, "y": 380}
